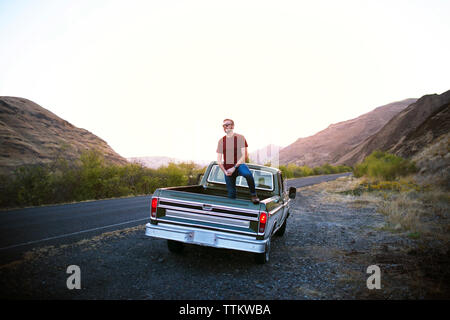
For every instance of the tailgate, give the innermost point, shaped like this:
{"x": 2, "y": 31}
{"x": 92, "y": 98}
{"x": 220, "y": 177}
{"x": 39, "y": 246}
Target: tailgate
{"x": 207, "y": 212}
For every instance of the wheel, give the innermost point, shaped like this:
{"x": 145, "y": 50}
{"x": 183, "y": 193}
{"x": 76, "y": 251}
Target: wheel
{"x": 263, "y": 257}
{"x": 280, "y": 232}
{"x": 175, "y": 246}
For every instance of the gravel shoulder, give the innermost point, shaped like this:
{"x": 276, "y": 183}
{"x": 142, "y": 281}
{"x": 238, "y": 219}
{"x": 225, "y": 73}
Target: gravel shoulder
{"x": 330, "y": 241}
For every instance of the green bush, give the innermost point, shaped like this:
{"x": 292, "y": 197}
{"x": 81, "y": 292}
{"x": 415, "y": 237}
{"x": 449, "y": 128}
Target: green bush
{"x": 385, "y": 166}
{"x": 32, "y": 185}
{"x": 88, "y": 178}
{"x": 294, "y": 171}
{"x": 286, "y": 172}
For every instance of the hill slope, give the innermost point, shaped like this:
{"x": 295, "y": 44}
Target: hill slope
{"x": 30, "y": 134}
{"x": 435, "y": 126}
{"x": 335, "y": 141}
{"x": 408, "y": 131}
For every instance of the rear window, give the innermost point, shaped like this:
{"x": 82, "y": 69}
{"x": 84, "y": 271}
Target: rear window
{"x": 263, "y": 179}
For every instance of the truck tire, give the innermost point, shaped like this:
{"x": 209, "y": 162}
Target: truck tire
{"x": 280, "y": 232}
{"x": 263, "y": 257}
{"x": 175, "y": 246}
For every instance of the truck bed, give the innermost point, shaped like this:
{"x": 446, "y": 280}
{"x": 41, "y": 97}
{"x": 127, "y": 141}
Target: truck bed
{"x": 241, "y": 193}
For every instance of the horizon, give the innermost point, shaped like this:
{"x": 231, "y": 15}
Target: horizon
{"x": 281, "y": 71}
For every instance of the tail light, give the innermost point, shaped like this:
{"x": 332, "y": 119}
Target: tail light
{"x": 262, "y": 221}
{"x": 153, "y": 208}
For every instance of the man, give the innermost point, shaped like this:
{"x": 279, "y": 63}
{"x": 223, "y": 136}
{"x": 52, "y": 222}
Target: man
{"x": 233, "y": 148}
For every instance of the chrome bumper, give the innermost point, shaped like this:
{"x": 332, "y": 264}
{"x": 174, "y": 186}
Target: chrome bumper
{"x": 205, "y": 237}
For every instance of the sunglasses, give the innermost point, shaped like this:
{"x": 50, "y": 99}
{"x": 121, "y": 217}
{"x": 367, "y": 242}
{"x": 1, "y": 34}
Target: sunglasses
{"x": 227, "y": 125}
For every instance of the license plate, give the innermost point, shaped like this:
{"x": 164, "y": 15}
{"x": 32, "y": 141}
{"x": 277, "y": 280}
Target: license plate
{"x": 204, "y": 237}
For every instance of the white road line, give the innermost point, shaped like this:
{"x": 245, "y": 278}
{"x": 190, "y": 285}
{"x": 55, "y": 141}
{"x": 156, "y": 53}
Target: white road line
{"x": 71, "y": 234}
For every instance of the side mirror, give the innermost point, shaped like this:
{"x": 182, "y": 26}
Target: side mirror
{"x": 199, "y": 178}
{"x": 292, "y": 192}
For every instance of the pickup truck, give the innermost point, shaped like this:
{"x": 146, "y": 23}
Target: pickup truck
{"x": 202, "y": 214}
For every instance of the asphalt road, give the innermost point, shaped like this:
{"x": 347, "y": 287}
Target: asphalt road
{"x": 24, "y": 229}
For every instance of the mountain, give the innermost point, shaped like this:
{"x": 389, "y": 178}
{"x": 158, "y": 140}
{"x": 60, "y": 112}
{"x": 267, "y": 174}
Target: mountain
{"x": 157, "y": 161}
{"x": 30, "y": 134}
{"x": 332, "y": 143}
{"x": 408, "y": 131}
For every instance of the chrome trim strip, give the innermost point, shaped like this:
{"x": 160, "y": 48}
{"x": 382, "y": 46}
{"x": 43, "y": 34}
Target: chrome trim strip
{"x": 214, "y": 206}
{"x": 163, "y": 221}
{"x": 210, "y": 213}
{"x": 217, "y": 232}
{"x": 265, "y": 201}
{"x": 205, "y": 218}
{"x": 276, "y": 210}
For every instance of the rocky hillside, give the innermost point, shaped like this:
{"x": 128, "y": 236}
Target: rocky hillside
{"x": 335, "y": 141}
{"x": 407, "y": 132}
{"x": 30, "y": 134}
{"x": 435, "y": 126}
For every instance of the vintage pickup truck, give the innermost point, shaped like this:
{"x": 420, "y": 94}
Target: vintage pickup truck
{"x": 203, "y": 214}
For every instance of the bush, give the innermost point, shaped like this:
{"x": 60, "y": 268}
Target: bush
{"x": 88, "y": 178}
{"x": 32, "y": 185}
{"x": 294, "y": 171}
{"x": 385, "y": 166}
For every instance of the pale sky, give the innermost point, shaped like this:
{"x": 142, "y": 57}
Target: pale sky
{"x": 156, "y": 78}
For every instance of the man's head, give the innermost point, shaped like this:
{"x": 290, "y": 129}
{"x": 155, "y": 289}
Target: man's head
{"x": 228, "y": 125}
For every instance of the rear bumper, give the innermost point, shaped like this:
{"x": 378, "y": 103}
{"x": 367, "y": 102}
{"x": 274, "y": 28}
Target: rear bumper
{"x": 205, "y": 237}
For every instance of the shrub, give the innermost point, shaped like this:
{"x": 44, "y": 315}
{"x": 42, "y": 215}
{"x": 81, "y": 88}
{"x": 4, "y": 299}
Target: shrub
{"x": 383, "y": 165}
{"x": 90, "y": 177}
{"x": 294, "y": 171}
{"x": 32, "y": 184}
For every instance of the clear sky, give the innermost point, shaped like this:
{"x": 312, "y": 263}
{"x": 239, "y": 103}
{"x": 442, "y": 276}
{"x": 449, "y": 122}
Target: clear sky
{"x": 158, "y": 77}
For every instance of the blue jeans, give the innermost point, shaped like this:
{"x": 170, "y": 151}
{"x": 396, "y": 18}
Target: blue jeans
{"x": 244, "y": 171}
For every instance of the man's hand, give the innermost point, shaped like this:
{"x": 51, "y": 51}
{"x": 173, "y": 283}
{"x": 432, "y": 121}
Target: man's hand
{"x": 225, "y": 172}
{"x": 230, "y": 171}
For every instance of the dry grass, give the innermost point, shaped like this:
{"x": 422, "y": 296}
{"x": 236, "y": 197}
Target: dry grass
{"x": 412, "y": 209}
{"x": 403, "y": 213}
{"x": 332, "y": 190}
{"x": 421, "y": 210}
{"x": 339, "y": 185}
{"x": 424, "y": 213}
